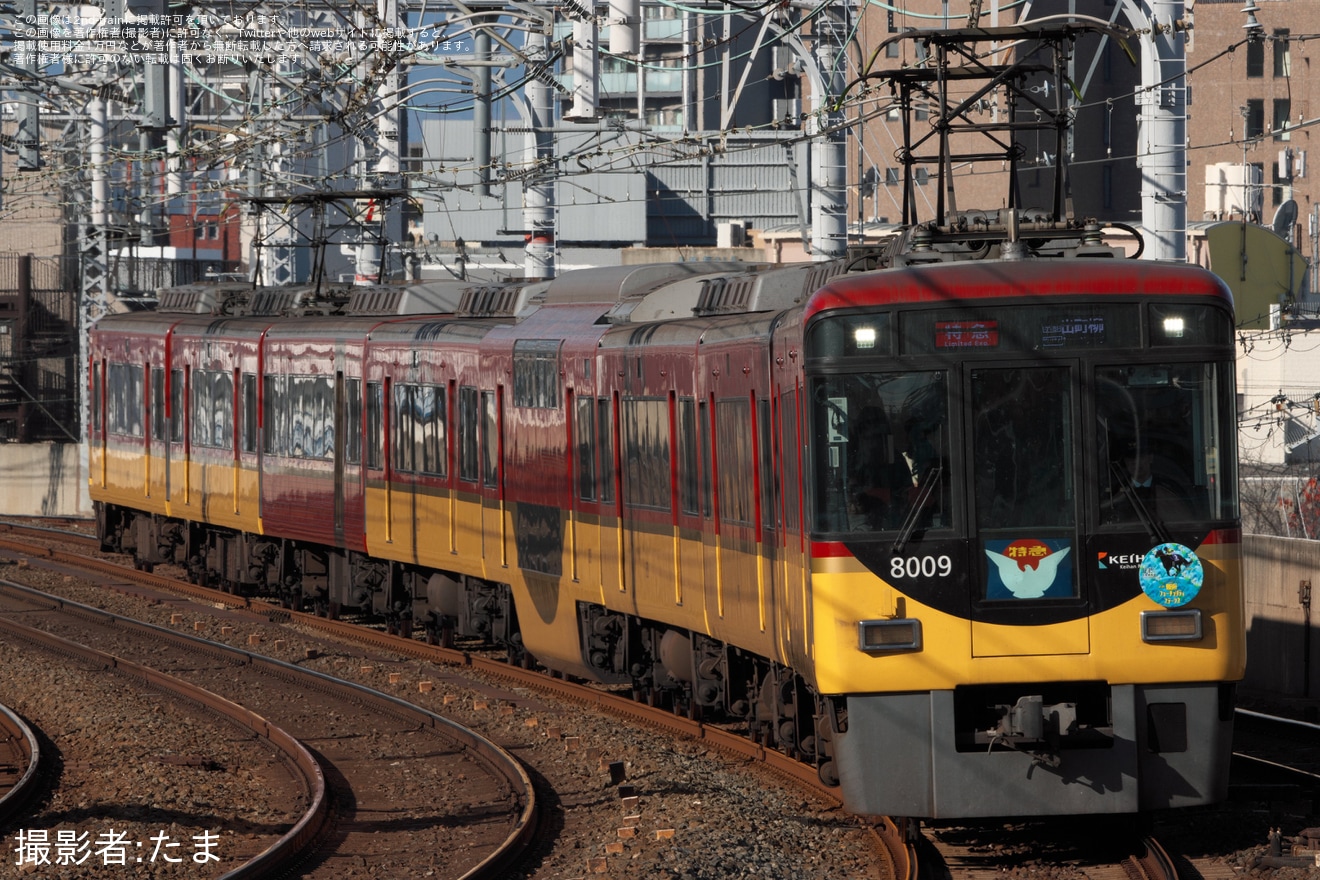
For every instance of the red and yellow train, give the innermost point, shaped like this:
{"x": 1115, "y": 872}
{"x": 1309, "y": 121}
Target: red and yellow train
{"x": 961, "y": 532}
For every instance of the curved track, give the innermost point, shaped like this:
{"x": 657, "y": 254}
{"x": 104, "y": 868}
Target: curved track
{"x": 315, "y": 836}
{"x": 20, "y": 765}
{"x": 890, "y": 839}
{"x": 313, "y": 821}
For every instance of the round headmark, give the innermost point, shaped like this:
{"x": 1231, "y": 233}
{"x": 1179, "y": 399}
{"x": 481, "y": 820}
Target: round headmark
{"x": 1171, "y": 574}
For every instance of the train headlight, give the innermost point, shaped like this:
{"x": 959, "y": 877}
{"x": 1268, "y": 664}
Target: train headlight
{"x": 1171, "y": 626}
{"x": 900, "y": 634}
{"x": 1174, "y": 326}
{"x": 864, "y": 337}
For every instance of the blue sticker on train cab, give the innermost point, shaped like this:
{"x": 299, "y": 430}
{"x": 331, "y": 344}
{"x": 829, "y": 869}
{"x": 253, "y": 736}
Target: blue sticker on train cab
{"x": 1029, "y": 568}
{"x": 1171, "y": 574}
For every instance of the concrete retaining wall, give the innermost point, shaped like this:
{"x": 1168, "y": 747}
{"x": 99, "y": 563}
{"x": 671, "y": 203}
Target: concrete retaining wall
{"x": 1282, "y": 641}
{"x": 44, "y": 479}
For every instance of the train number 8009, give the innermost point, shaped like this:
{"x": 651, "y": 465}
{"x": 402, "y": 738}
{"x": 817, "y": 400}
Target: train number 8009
{"x": 920, "y": 566}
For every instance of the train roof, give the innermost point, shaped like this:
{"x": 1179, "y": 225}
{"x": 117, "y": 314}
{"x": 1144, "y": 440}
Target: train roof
{"x": 985, "y": 279}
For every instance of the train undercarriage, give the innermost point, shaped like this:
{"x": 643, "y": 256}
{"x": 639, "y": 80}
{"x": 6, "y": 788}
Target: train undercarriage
{"x": 689, "y": 672}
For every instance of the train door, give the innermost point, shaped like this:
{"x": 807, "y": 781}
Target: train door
{"x": 739, "y": 583}
{"x": 176, "y": 473}
{"x": 688, "y": 553}
{"x": 1023, "y": 427}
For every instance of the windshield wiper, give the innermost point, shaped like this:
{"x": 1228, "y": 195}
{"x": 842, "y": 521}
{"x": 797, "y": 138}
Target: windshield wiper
{"x": 1154, "y": 527}
{"x": 925, "y": 486}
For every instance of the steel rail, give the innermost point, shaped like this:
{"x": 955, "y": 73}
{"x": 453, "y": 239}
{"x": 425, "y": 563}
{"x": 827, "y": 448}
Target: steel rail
{"x": 23, "y": 743}
{"x": 498, "y": 760}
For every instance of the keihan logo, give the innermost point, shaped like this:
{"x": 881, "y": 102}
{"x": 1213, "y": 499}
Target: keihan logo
{"x": 1121, "y": 560}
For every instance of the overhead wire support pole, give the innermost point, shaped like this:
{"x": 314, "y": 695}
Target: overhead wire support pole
{"x": 539, "y": 185}
{"x": 1162, "y": 126}
{"x": 829, "y": 222}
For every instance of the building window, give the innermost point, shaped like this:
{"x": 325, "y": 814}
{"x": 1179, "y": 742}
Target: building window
{"x": 891, "y": 49}
{"x": 891, "y": 177}
{"x": 1255, "y": 120}
{"x": 1255, "y": 59}
{"x": 1282, "y": 110}
{"x": 1282, "y": 54}
{"x": 921, "y": 175}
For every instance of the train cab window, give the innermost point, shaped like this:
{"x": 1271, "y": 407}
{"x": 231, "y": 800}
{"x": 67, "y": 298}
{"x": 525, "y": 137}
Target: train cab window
{"x": 1023, "y": 472}
{"x": 468, "y": 448}
{"x": 1022, "y": 436}
{"x": 1165, "y": 444}
{"x": 881, "y": 452}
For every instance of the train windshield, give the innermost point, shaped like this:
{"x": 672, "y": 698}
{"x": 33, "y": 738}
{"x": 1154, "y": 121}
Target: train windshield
{"x": 881, "y": 460}
{"x": 1165, "y": 450}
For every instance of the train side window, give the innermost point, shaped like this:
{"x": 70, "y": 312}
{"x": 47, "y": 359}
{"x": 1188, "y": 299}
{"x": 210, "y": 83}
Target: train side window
{"x": 300, "y": 429}
{"x": 432, "y": 411}
{"x": 733, "y": 444}
{"x": 605, "y": 445}
{"x": 421, "y": 414}
{"x": 201, "y": 406}
{"x": 222, "y": 401}
{"x": 585, "y": 428}
{"x": 248, "y": 412}
{"x": 97, "y": 402}
{"x": 687, "y": 455}
{"x": 703, "y": 443}
{"x": 157, "y": 404}
{"x": 271, "y": 405}
{"x": 353, "y": 421}
{"x": 176, "y": 406}
{"x": 646, "y": 453}
{"x": 467, "y": 434}
{"x": 125, "y": 399}
{"x": 323, "y": 388}
{"x": 375, "y": 426}
{"x": 489, "y": 440}
{"x": 401, "y": 417}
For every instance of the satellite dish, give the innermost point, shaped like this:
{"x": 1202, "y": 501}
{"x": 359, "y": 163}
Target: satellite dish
{"x": 1284, "y": 219}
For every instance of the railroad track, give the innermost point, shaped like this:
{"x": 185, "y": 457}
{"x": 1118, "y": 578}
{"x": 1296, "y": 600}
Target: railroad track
{"x": 494, "y": 806}
{"x": 1098, "y": 848}
{"x": 888, "y": 839}
{"x": 20, "y": 764}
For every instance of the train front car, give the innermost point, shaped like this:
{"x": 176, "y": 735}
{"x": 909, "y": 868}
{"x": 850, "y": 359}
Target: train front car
{"x": 1025, "y": 553}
